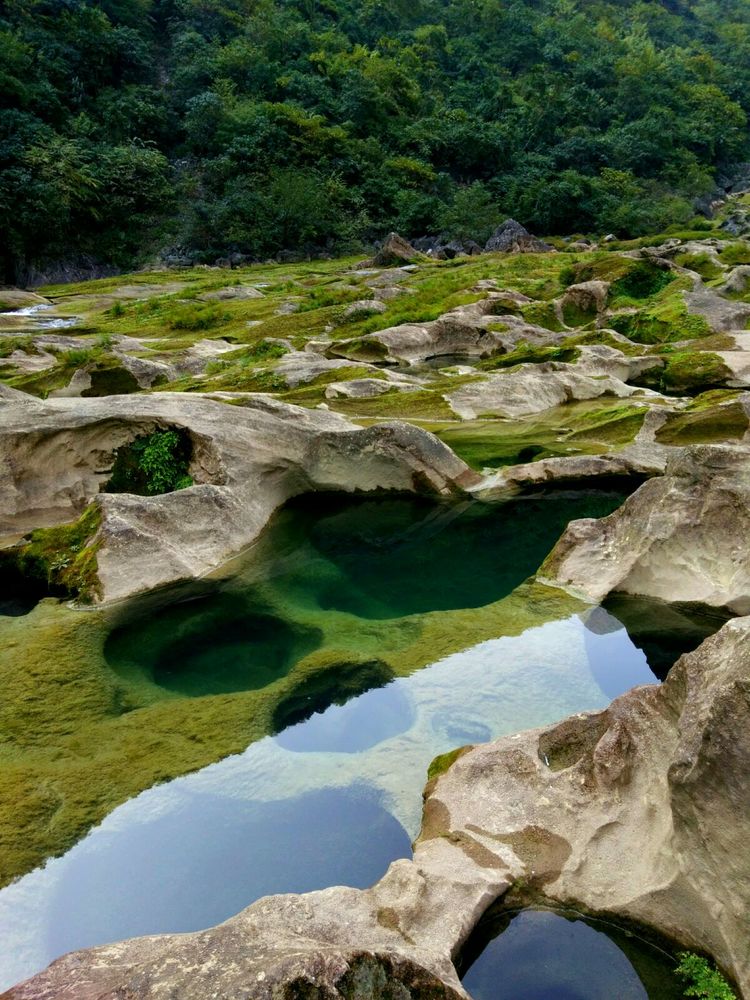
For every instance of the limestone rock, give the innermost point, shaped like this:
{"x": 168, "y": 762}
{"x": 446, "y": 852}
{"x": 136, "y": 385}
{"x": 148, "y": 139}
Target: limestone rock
{"x": 19, "y": 298}
{"x": 682, "y": 537}
{"x": 55, "y": 455}
{"x": 364, "y": 307}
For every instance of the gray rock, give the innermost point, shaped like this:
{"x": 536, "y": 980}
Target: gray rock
{"x": 395, "y": 250}
{"x": 531, "y": 389}
{"x": 682, "y": 537}
{"x": 248, "y": 460}
{"x": 512, "y": 237}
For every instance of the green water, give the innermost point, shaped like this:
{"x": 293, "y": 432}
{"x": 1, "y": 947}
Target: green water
{"x": 344, "y": 573}
{"x": 370, "y": 635}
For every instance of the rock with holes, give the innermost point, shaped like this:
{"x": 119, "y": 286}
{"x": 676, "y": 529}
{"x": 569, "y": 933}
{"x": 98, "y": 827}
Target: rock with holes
{"x": 638, "y": 812}
{"x": 247, "y": 460}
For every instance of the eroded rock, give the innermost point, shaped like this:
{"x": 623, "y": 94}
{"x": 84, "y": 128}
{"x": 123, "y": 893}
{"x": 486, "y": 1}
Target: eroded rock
{"x": 681, "y": 537}
{"x": 638, "y": 812}
{"x": 246, "y": 462}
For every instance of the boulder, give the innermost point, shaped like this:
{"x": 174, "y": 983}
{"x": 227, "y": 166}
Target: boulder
{"x": 637, "y": 813}
{"x": 395, "y": 250}
{"x": 512, "y": 237}
{"x": 247, "y": 460}
{"x": 684, "y": 536}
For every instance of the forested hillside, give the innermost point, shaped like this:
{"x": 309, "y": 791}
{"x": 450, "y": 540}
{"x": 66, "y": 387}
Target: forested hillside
{"x": 128, "y": 126}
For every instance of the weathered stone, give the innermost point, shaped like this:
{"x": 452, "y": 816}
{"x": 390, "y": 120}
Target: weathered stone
{"x": 682, "y": 537}
{"x": 532, "y": 389}
{"x": 247, "y": 460}
{"x": 395, "y": 250}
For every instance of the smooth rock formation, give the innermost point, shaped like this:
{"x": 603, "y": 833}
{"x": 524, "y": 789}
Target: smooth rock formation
{"x": 532, "y": 389}
{"x": 247, "y": 460}
{"x": 638, "y": 812}
{"x": 681, "y": 537}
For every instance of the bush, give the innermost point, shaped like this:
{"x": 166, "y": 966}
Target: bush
{"x": 152, "y": 464}
{"x": 702, "y": 978}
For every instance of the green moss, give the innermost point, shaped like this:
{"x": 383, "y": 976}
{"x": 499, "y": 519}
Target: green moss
{"x": 691, "y": 371}
{"x": 702, "y": 263}
{"x": 665, "y": 321}
{"x": 542, "y": 314}
{"x": 531, "y": 354}
{"x": 705, "y": 425}
{"x": 61, "y": 560}
{"x": 616, "y": 425}
{"x": 440, "y": 764}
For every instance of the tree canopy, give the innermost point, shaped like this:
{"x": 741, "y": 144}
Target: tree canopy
{"x": 255, "y": 125}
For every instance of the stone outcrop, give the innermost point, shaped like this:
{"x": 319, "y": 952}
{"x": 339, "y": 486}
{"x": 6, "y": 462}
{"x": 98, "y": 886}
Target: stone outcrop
{"x": 247, "y": 460}
{"x": 638, "y": 812}
{"x": 479, "y": 330}
{"x": 681, "y": 537}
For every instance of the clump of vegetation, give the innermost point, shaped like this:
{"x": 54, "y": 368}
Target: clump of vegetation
{"x": 152, "y": 464}
{"x": 61, "y": 561}
{"x": 702, "y": 978}
{"x": 194, "y": 318}
{"x": 736, "y": 253}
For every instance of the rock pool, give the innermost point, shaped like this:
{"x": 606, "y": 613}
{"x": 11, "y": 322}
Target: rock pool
{"x": 328, "y": 618}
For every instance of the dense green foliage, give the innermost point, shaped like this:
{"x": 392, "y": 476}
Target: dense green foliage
{"x": 702, "y": 979}
{"x": 152, "y": 464}
{"x": 254, "y": 125}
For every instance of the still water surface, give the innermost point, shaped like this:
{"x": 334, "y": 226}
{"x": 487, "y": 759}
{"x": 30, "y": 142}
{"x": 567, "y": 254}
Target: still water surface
{"x": 334, "y": 796}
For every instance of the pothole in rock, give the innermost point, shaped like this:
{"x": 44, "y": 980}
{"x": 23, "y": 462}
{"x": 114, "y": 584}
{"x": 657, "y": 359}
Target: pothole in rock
{"x": 219, "y": 645}
{"x": 541, "y": 954}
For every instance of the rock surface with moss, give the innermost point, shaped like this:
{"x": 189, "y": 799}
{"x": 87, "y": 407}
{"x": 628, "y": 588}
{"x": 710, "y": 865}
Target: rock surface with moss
{"x": 627, "y": 812}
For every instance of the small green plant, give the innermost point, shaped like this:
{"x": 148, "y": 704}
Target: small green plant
{"x": 116, "y": 310}
{"x": 702, "y": 978}
{"x": 152, "y": 464}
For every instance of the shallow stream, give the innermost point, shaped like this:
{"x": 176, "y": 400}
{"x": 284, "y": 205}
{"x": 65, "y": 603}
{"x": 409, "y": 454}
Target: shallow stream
{"x": 334, "y": 794}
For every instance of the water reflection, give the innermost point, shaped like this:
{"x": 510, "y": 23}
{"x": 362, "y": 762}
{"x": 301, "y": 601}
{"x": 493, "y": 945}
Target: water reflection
{"x": 539, "y": 955}
{"x": 331, "y": 799}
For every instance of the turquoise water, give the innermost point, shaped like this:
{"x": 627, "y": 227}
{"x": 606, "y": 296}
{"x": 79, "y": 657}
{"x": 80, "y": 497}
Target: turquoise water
{"x": 333, "y": 794}
{"x": 540, "y": 955}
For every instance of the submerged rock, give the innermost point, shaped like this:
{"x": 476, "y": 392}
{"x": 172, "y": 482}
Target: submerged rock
{"x": 638, "y": 812}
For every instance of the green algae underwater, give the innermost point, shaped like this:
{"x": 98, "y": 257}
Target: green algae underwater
{"x": 339, "y": 595}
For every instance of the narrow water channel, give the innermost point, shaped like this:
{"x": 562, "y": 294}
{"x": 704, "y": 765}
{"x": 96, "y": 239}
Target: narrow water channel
{"x": 333, "y": 794}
